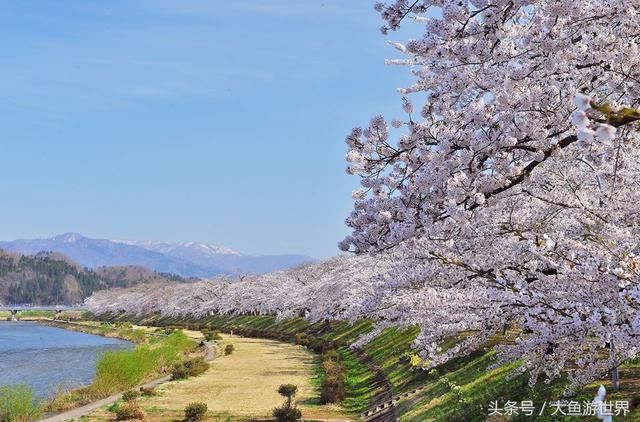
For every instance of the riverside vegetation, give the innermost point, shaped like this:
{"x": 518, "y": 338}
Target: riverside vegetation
{"x": 120, "y": 370}
{"x": 17, "y": 404}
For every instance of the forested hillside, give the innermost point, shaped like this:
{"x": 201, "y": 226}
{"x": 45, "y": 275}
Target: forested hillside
{"x": 53, "y": 279}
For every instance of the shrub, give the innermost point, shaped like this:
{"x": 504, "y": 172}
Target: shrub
{"x": 285, "y": 338}
{"x": 211, "y": 335}
{"x": 17, "y": 404}
{"x": 129, "y": 410}
{"x": 196, "y": 366}
{"x": 228, "y": 349}
{"x": 130, "y": 395}
{"x": 287, "y": 414}
{"x": 179, "y": 372}
{"x": 302, "y": 339}
{"x": 331, "y": 355}
{"x": 195, "y": 412}
{"x": 332, "y": 390}
{"x": 148, "y": 391}
{"x": 190, "y": 368}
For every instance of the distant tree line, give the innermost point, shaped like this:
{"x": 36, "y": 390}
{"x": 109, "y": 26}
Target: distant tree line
{"x": 50, "y": 279}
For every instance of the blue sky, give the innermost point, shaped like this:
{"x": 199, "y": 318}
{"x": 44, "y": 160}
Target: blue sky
{"x": 216, "y": 121}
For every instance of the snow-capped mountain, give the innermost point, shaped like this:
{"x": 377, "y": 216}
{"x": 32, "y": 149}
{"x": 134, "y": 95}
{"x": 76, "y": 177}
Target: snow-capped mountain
{"x": 182, "y": 247}
{"x": 188, "y": 259}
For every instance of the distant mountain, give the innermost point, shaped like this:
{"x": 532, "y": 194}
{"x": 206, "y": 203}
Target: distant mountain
{"x": 221, "y": 258}
{"x": 52, "y": 279}
{"x": 93, "y": 253}
{"x": 188, "y": 259}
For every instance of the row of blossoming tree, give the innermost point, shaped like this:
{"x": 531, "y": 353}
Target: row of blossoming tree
{"x": 509, "y": 198}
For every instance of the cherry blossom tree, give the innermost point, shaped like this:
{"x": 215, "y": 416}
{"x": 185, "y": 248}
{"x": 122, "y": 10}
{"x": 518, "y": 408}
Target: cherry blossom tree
{"x": 510, "y": 195}
{"x": 331, "y": 289}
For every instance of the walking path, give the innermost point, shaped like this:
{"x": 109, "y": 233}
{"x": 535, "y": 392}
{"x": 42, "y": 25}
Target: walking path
{"x": 86, "y": 409}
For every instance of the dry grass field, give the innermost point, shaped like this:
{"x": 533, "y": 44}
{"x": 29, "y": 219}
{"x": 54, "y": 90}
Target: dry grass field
{"x": 242, "y": 385}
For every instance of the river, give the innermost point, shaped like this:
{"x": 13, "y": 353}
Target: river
{"x": 49, "y": 359}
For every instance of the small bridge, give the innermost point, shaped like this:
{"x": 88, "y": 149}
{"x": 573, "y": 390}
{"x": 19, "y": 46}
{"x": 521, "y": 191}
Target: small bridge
{"x": 58, "y": 309}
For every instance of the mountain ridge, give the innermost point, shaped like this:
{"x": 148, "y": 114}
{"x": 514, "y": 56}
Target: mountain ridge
{"x": 186, "y": 259}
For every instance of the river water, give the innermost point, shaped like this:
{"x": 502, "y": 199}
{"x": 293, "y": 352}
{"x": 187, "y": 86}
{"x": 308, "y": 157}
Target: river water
{"x": 49, "y": 359}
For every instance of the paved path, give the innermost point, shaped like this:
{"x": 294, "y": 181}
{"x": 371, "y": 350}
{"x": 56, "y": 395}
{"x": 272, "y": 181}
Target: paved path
{"x": 91, "y": 407}
{"x": 86, "y": 409}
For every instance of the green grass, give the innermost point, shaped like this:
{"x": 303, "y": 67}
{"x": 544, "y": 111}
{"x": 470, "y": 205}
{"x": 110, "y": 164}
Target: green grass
{"x": 123, "y": 369}
{"x": 122, "y": 331}
{"x": 27, "y": 314}
{"x": 385, "y": 350}
{"x": 358, "y": 381}
{"x": 17, "y": 404}
{"x": 318, "y": 376}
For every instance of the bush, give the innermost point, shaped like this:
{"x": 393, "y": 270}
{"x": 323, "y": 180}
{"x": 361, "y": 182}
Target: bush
{"x": 148, "y": 391}
{"x": 228, "y": 349}
{"x": 287, "y": 414}
{"x": 18, "y": 404}
{"x": 130, "y": 395}
{"x": 302, "y": 339}
{"x": 196, "y": 366}
{"x": 332, "y": 355}
{"x": 195, "y": 412}
{"x": 211, "y": 335}
{"x": 179, "y": 372}
{"x": 332, "y": 389}
{"x": 190, "y": 368}
{"x": 129, "y": 410}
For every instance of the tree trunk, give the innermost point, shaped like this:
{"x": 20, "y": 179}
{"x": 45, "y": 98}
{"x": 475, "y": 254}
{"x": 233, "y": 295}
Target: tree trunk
{"x": 615, "y": 376}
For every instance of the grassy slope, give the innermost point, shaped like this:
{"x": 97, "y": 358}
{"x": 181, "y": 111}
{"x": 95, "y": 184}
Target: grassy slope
{"x": 458, "y": 390}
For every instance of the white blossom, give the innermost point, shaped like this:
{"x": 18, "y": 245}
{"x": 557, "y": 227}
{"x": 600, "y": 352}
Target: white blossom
{"x": 580, "y": 119}
{"x": 582, "y": 102}
{"x": 605, "y": 132}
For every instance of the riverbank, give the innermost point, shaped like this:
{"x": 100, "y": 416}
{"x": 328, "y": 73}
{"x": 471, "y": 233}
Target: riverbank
{"x": 151, "y": 361}
{"x": 209, "y": 355}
